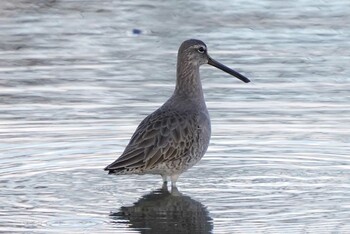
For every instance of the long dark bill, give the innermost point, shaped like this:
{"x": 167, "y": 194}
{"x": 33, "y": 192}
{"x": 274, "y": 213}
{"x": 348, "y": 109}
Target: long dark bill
{"x": 228, "y": 70}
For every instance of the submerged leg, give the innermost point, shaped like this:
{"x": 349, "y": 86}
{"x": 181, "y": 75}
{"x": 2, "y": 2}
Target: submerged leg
{"x": 165, "y": 179}
{"x": 165, "y": 182}
{"x": 175, "y": 191}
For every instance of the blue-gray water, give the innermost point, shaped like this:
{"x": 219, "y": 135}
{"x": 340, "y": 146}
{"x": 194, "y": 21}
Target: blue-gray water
{"x": 76, "y": 81}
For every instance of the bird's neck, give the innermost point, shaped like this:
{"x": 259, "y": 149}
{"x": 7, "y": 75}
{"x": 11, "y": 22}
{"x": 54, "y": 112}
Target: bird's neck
{"x": 188, "y": 83}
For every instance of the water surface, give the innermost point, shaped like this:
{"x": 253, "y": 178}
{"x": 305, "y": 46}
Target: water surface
{"x": 76, "y": 79}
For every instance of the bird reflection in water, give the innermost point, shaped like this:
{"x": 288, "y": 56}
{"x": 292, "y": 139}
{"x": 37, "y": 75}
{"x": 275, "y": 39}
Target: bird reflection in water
{"x": 162, "y": 211}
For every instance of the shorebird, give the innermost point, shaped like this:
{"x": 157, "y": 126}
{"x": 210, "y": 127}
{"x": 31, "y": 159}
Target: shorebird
{"x": 176, "y": 136}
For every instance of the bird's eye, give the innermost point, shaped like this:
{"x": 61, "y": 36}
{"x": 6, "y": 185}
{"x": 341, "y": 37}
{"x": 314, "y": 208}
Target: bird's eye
{"x": 201, "y": 49}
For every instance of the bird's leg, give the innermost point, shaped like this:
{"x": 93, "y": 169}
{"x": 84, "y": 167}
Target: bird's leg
{"x": 165, "y": 179}
{"x": 165, "y": 182}
{"x": 173, "y": 180}
{"x": 174, "y": 190}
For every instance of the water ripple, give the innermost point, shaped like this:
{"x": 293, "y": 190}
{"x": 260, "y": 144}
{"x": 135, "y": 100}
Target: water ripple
{"x": 76, "y": 80}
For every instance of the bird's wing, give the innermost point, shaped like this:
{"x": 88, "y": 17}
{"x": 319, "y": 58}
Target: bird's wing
{"x": 161, "y": 137}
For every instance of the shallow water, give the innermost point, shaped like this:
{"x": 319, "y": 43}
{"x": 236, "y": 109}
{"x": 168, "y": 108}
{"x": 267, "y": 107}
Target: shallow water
{"x": 76, "y": 81}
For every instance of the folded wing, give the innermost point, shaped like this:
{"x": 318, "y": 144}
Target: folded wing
{"x": 161, "y": 137}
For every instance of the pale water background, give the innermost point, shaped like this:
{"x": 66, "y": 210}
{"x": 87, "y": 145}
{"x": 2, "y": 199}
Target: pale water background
{"x": 76, "y": 81}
